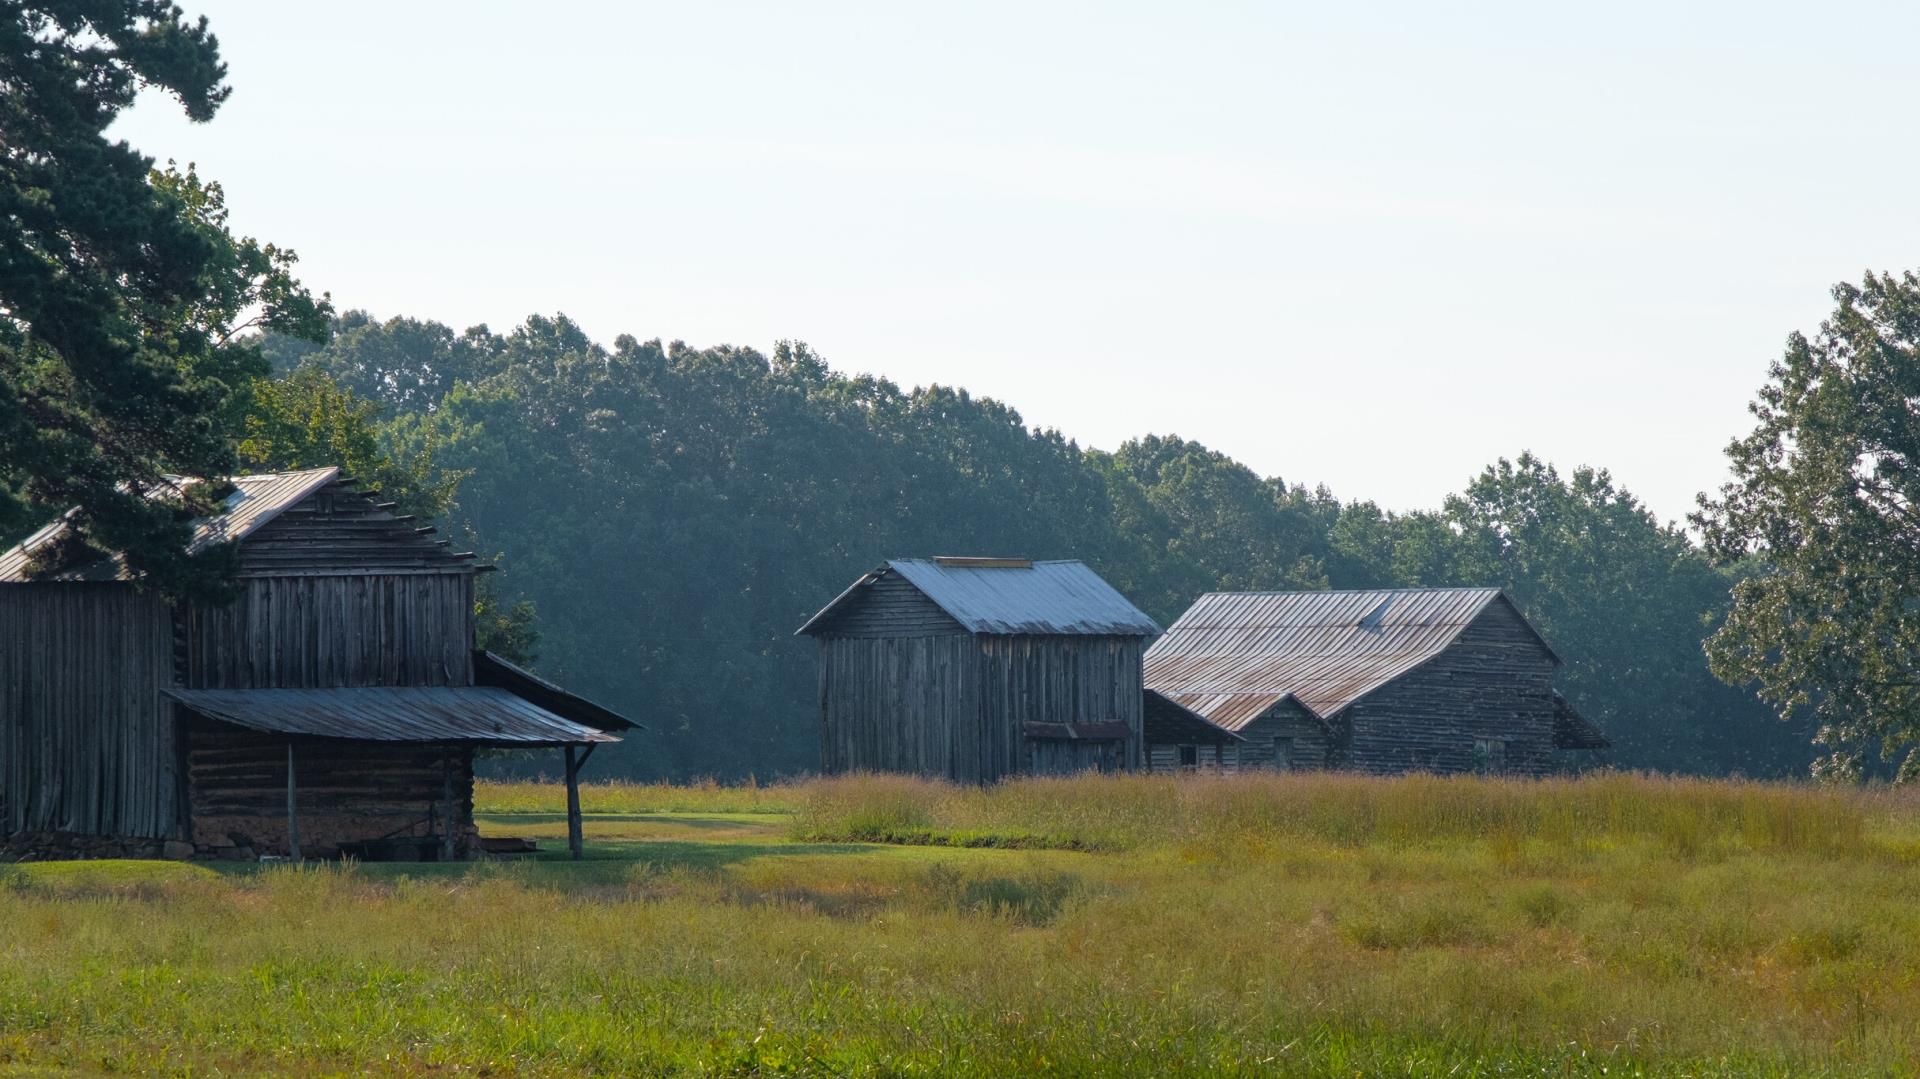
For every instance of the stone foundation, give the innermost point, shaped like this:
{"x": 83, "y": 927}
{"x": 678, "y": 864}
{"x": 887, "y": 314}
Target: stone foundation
{"x": 68, "y": 846}
{"x": 235, "y": 839}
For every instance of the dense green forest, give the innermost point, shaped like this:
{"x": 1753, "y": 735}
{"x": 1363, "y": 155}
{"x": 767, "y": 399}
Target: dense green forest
{"x": 673, "y": 513}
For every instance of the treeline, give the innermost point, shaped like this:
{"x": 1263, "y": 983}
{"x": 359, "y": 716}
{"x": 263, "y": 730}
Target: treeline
{"x": 673, "y": 513}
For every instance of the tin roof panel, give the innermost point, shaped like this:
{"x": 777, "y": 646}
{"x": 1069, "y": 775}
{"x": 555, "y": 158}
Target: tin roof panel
{"x": 483, "y": 714}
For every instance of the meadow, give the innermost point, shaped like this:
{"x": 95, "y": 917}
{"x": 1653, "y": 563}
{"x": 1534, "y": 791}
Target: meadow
{"x": 1272, "y": 925}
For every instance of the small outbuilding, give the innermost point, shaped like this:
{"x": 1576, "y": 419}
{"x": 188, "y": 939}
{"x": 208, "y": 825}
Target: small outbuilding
{"x": 1181, "y": 739}
{"x": 1427, "y": 679}
{"x": 334, "y": 706}
{"x": 974, "y": 669}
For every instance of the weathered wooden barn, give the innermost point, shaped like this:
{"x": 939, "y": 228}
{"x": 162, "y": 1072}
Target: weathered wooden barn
{"x": 973, "y": 669}
{"x": 1181, "y": 739}
{"x": 334, "y": 707}
{"x": 1433, "y": 679}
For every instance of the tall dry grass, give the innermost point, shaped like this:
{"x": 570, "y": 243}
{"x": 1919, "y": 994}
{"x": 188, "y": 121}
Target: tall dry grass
{"x": 1123, "y": 812}
{"x": 492, "y": 797}
{"x": 1291, "y": 925}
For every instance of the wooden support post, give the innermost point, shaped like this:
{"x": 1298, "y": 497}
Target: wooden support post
{"x": 293, "y": 808}
{"x": 575, "y": 837}
{"x": 446, "y": 807}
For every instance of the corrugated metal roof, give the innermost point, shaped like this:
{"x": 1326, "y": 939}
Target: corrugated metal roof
{"x": 392, "y": 714}
{"x": 1234, "y": 655}
{"x": 1061, "y": 597}
{"x": 256, "y": 500}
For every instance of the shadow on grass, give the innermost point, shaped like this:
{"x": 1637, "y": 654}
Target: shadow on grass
{"x": 602, "y": 864}
{"x": 737, "y": 821}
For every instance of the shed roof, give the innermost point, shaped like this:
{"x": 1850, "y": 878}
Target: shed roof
{"x": 478, "y": 714}
{"x": 493, "y": 670}
{"x": 1168, "y": 722}
{"x": 1571, "y": 730}
{"x": 1234, "y": 655}
{"x": 256, "y": 499}
{"x": 1009, "y": 596}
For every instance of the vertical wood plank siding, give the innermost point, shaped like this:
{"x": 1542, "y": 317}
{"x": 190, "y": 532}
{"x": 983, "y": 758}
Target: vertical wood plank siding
{"x": 901, "y": 704}
{"x": 86, "y": 740}
{"x": 1058, "y": 679}
{"x": 329, "y": 631}
{"x": 1494, "y": 682}
{"x": 955, "y": 706}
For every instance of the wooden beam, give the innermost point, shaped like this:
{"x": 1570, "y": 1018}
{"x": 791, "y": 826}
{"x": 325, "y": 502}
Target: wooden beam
{"x": 446, "y": 807}
{"x": 575, "y": 839}
{"x": 293, "y": 808}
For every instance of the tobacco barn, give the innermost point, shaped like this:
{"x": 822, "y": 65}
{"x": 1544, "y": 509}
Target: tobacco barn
{"x": 974, "y": 669}
{"x": 1429, "y": 679}
{"x": 334, "y": 707}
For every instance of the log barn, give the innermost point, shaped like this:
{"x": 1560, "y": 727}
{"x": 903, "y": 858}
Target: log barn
{"x": 1426, "y": 679}
{"x": 334, "y": 706}
{"x": 974, "y": 669}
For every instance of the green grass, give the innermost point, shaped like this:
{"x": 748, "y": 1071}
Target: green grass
{"x": 1292, "y": 925}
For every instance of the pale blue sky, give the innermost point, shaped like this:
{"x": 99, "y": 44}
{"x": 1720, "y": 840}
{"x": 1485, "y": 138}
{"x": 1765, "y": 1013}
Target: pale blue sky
{"x": 1375, "y": 246}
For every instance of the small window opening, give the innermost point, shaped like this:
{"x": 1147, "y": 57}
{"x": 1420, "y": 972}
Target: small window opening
{"x": 1189, "y": 756}
{"x": 1489, "y": 756}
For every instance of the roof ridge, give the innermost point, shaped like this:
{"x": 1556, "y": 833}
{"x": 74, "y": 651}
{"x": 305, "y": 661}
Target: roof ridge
{"x": 1354, "y": 591}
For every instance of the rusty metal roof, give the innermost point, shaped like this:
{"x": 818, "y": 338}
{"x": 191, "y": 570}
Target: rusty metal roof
{"x": 481, "y": 714}
{"x": 1235, "y": 655}
{"x": 256, "y": 500}
{"x": 1004, "y": 596}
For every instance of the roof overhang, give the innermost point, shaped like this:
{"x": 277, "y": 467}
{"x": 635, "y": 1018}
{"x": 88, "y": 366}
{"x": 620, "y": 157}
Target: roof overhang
{"x": 477, "y": 715}
{"x": 826, "y": 612}
{"x": 492, "y": 670}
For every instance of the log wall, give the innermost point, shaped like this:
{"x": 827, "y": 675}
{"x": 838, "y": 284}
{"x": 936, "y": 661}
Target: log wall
{"x": 87, "y": 745}
{"x": 1494, "y": 683}
{"x": 348, "y": 792}
{"x": 1310, "y": 747}
{"x": 1165, "y": 757}
{"x": 891, "y": 607}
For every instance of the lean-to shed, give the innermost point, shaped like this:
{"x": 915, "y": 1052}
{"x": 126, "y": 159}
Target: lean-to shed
{"x": 1180, "y": 739}
{"x": 1427, "y": 679}
{"x": 973, "y": 669}
{"x": 334, "y": 706}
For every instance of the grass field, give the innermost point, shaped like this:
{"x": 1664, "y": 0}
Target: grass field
{"x": 1292, "y": 925}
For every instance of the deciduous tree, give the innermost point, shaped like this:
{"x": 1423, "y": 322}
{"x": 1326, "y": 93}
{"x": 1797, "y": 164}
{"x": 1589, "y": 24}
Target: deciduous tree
{"x": 1825, "y": 498}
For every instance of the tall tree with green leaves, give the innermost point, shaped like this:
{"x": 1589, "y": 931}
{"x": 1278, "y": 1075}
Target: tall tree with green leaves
{"x": 1825, "y": 500}
{"x": 1625, "y": 599}
{"x": 123, "y": 296}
